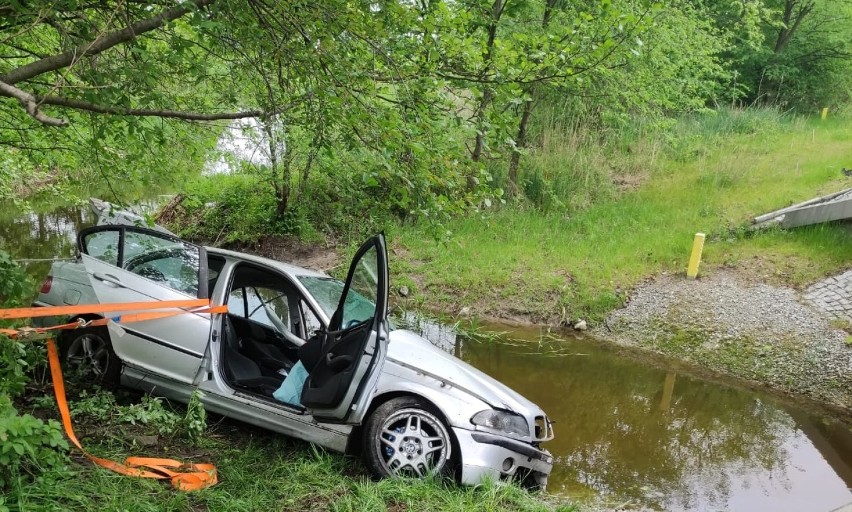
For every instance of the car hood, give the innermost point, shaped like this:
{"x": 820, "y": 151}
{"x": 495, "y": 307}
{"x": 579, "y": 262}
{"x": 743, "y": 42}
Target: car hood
{"x": 409, "y": 349}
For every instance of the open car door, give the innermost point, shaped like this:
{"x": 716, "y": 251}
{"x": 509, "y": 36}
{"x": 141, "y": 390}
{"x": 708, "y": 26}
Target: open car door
{"x": 130, "y": 264}
{"x": 344, "y": 376}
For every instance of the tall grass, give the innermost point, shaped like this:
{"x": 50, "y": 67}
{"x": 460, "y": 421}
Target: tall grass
{"x": 577, "y": 161}
{"x": 573, "y": 163}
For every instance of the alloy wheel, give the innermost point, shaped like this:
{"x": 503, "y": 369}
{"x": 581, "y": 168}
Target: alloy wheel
{"x": 89, "y": 352}
{"x": 412, "y": 442}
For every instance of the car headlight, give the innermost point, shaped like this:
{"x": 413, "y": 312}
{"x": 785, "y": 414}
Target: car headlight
{"x": 504, "y": 421}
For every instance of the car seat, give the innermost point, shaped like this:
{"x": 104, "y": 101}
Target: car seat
{"x": 242, "y": 371}
{"x": 267, "y": 355}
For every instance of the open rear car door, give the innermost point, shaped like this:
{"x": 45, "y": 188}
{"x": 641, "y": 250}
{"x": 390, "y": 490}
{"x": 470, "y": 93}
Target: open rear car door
{"x": 344, "y": 375}
{"x": 130, "y": 264}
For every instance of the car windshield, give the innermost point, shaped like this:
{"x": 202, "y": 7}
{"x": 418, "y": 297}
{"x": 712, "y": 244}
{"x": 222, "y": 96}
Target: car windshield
{"x": 327, "y": 291}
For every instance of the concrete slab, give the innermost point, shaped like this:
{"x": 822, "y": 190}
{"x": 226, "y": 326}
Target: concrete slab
{"x": 818, "y": 213}
{"x": 834, "y": 206}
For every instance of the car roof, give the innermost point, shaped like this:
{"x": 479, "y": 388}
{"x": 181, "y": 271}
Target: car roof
{"x": 287, "y": 268}
{"x": 116, "y": 216}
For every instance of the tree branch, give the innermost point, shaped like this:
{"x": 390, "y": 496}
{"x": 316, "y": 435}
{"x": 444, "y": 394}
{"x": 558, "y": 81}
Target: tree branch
{"x": 30, "y": 103}
{"x": 141, "y": 112}
{"x": 107, "y": 41}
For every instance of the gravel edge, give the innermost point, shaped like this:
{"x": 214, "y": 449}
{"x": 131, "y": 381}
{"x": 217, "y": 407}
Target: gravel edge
{"x": 754, "y": 331}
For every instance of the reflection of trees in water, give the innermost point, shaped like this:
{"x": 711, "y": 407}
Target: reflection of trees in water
{"x": 613, "y": 437}
{"x": 43, "y": 235}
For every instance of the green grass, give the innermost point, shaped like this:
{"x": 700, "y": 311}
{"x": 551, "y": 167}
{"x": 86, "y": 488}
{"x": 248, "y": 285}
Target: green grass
{"x": 266, "y": 472}
{"x": 579, "y": 263}
{"x": 258, "y": 470}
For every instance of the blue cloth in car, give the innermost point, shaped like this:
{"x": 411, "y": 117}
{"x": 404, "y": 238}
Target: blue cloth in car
{"x": 290, "y": 390}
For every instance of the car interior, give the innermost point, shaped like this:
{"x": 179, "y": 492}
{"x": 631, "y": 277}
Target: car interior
{"x": 263, "y": 330}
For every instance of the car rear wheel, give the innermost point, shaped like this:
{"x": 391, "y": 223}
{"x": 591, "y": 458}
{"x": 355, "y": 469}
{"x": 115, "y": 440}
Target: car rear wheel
{"x": 88, "y": 353}
{"x": 403, "y": 437}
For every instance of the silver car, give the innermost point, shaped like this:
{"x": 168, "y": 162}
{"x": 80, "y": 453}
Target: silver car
{"x": 407, "y": 407}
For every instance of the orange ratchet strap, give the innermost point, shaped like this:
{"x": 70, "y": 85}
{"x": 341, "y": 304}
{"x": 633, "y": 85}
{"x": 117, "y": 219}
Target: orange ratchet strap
{"x": 128, "y": 318}
{"x": 183, "y": 476}
{"x": 101, "y": 308}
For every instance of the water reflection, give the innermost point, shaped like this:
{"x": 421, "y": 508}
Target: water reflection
{"x": 43, "y": 236}
{"x": 654, "y": 438}
{"x": 50, "y": 235}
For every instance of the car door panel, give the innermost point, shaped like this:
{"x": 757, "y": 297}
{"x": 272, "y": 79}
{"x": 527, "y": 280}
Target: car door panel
{"x": 344, "y": 371}
{"x": 171, "y": 346}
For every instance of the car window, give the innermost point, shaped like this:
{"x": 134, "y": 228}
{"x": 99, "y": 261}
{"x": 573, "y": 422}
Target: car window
{"x": 326, "y": 291}
{"x": 312, "y": 323}
{"x": 214, "y": 269}
{"x": 103, "y": 245}
{"x": 263, "y": 305}
{"x": 166, "y": 261}
{"x": 236, "y": 303}
{"x": 136, "y": 244}
{"x": 175, "y": 266}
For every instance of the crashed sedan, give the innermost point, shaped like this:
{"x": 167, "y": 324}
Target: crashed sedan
{"x": 386, "y": 394}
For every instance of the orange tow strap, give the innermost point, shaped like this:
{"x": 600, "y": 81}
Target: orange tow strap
{"x": 101, "y": 308}
{"x": 132, "y": 317}
{"x": 186, "y": 477}
{"x": 183, "y": 476}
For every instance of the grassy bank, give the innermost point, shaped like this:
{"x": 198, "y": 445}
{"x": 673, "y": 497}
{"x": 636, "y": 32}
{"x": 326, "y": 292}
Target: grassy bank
{"x": 581, "y": 262}
{"x": 258, "y": 470}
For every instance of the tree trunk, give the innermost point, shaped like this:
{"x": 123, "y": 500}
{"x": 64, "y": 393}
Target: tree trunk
{"x": 521, "y": 138}
{"x": 792, "y": 18}
{"x": 283, "y": 189}
{"x": 795, "y": 11}
{"x": 487, "y": 92}
{"x": 520, "y": 144}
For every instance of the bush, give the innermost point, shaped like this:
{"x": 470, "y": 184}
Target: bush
{"x": 101, "y": 407}
{"x": 15, "y": 286}
{"x": 28, "y": 445}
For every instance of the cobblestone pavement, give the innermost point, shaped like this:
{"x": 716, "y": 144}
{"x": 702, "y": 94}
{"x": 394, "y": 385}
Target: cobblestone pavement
{"x": 833, "y": 295}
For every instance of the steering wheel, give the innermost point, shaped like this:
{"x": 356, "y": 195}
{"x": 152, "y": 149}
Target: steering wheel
{"x": 151, "y": 273}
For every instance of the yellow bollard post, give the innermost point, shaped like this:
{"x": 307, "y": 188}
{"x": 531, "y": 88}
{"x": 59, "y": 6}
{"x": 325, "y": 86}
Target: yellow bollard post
{"x": 824, "y": 113}
{"x": 695, "y": 259}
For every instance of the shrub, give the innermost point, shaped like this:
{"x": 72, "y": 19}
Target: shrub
{"x": 28, "y": 445}
{"x": 100, "y": 406}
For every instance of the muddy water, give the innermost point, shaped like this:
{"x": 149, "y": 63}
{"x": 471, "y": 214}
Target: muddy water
{"x": 631, "y": 434}
{"x": 644, "y": 436}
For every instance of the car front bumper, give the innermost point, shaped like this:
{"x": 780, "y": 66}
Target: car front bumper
{"x": 493, "y": 457}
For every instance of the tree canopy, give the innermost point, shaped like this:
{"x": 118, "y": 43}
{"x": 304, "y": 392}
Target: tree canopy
{"x": 419, "y": 103}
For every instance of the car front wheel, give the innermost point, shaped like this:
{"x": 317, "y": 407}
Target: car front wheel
{"x": 404, "y": 438}
{"x": 88, "y": 353}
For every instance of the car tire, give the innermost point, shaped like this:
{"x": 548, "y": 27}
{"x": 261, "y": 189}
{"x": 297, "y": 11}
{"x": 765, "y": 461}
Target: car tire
{"x": 88, "y": 352}
{"x": 406, "y": 437}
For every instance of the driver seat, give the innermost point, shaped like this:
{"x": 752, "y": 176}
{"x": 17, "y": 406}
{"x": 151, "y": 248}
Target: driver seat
{"x": 241, "y": 370}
